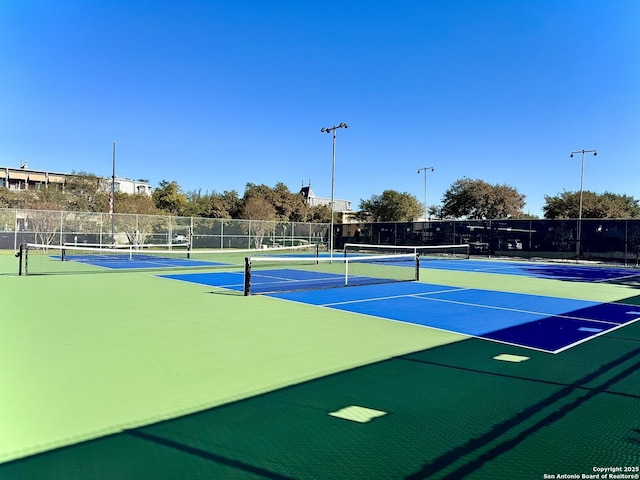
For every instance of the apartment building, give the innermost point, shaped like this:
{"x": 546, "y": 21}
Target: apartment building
{"x": 24, "y": 178}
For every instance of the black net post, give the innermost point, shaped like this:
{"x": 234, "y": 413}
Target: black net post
{"x": 247, "y": 276}
{"x": 417, "y": 267}
{"x": 19, "y": 254}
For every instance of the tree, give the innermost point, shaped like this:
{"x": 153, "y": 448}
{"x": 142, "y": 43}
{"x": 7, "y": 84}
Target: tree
{"x": 606, "y": 205}
{"x": 138, "y": 203}
{"x": 45, "y": 208}
{"x": 138, "y": 217}
{"x": 320, "y": 214}
{"x": 169, "y": 197}
{"x": 288, "y": 206}
{"x": 84, "y": 191}
{"x": 214, "y": 205}
{"x": 391, "y": 206}
{"x": 477, "y": 199}
{"x": 256, "y": 208}
{"x": 11, "y": 199}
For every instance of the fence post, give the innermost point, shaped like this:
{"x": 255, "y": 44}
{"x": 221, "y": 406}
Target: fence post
{"x": 626, "y": 240}
{"x": 15, "y": 229}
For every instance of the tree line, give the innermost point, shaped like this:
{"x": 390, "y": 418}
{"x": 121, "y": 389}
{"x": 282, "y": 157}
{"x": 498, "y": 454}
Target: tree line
{"x": 465, "y": 198}
{"x": 87, "y": 192}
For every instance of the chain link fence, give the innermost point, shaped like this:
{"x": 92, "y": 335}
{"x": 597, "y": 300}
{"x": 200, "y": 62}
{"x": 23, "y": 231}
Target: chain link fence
{"x": 600, "y": 239}
{"x": 51, "y": 227}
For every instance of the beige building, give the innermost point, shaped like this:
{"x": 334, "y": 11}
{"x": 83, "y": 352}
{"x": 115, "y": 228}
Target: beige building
{"x": 343, "y": 207}
{"x": 24, "y": 178}
{"x": 313, "y": 201}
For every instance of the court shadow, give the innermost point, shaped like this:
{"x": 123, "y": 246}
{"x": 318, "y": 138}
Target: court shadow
{"x": 448, "y": 412}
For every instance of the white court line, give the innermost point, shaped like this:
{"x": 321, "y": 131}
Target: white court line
{"x": 492, "y": 268}
{"x": 273, "y": 279}
{"x": 566, "y": 347}
{"x": 517, "y": 310}
{"x": 618, "y": 278}
{"x": 425, "y": 296}
{"x": 375, "y": 299}
{"x": 468, "y": 335}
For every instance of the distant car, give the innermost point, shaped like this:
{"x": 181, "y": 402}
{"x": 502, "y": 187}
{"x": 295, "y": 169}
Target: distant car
{"x": 514, "y": 245}
{"x": 180, "y": 239}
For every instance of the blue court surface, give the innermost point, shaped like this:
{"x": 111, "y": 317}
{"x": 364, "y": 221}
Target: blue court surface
{"x": 138, "y": 261}
{"x": 559, "y": 271}
{"x": 542, "y": 323}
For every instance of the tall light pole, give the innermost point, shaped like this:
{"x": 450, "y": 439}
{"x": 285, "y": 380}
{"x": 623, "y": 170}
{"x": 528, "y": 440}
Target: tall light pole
{"x": 333, "y": 176}
{"x": 579, "y": 229}
{"x": 113, "y": 188}
{"x": 425, "y": 169}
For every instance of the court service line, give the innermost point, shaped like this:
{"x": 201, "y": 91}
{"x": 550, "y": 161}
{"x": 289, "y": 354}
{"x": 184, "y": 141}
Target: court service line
{"x": 283, "y": 280}
{"x": 375, "y": 299}
{"x": 517, "y": 310}
{"x": 617, "y": 279}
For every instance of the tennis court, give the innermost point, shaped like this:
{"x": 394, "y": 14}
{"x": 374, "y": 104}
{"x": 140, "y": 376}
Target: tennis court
{"x": 137, "y": 375}
{"x": 138, "y": 262}
{"x": 571, "y": 272}
{"x": 36, "y": 259}
{"x": 540, "y": 322}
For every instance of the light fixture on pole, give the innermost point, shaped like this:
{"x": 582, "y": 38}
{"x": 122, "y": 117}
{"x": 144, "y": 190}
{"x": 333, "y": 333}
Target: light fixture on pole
{"x": 579, "y": 228}
{"x": 333, "y": 176}
{"x": 425, "y": 169}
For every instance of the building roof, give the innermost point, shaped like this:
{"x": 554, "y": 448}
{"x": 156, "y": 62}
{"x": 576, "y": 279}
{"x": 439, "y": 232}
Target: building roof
{"x": 313, "y": 201}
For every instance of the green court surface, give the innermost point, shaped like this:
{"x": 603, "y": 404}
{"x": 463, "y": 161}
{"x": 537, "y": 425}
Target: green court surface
{"x": 128, "y": 375}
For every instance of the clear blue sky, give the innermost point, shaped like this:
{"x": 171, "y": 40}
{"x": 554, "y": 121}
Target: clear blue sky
{"x": 215, "y": 94}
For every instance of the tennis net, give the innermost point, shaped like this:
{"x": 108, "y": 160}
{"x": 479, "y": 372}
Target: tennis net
{"x": 426, "y": 252}
{"x": 264, "y": 275}
{"x": 127, "y": 246}
{"x": 38, "y": 259}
